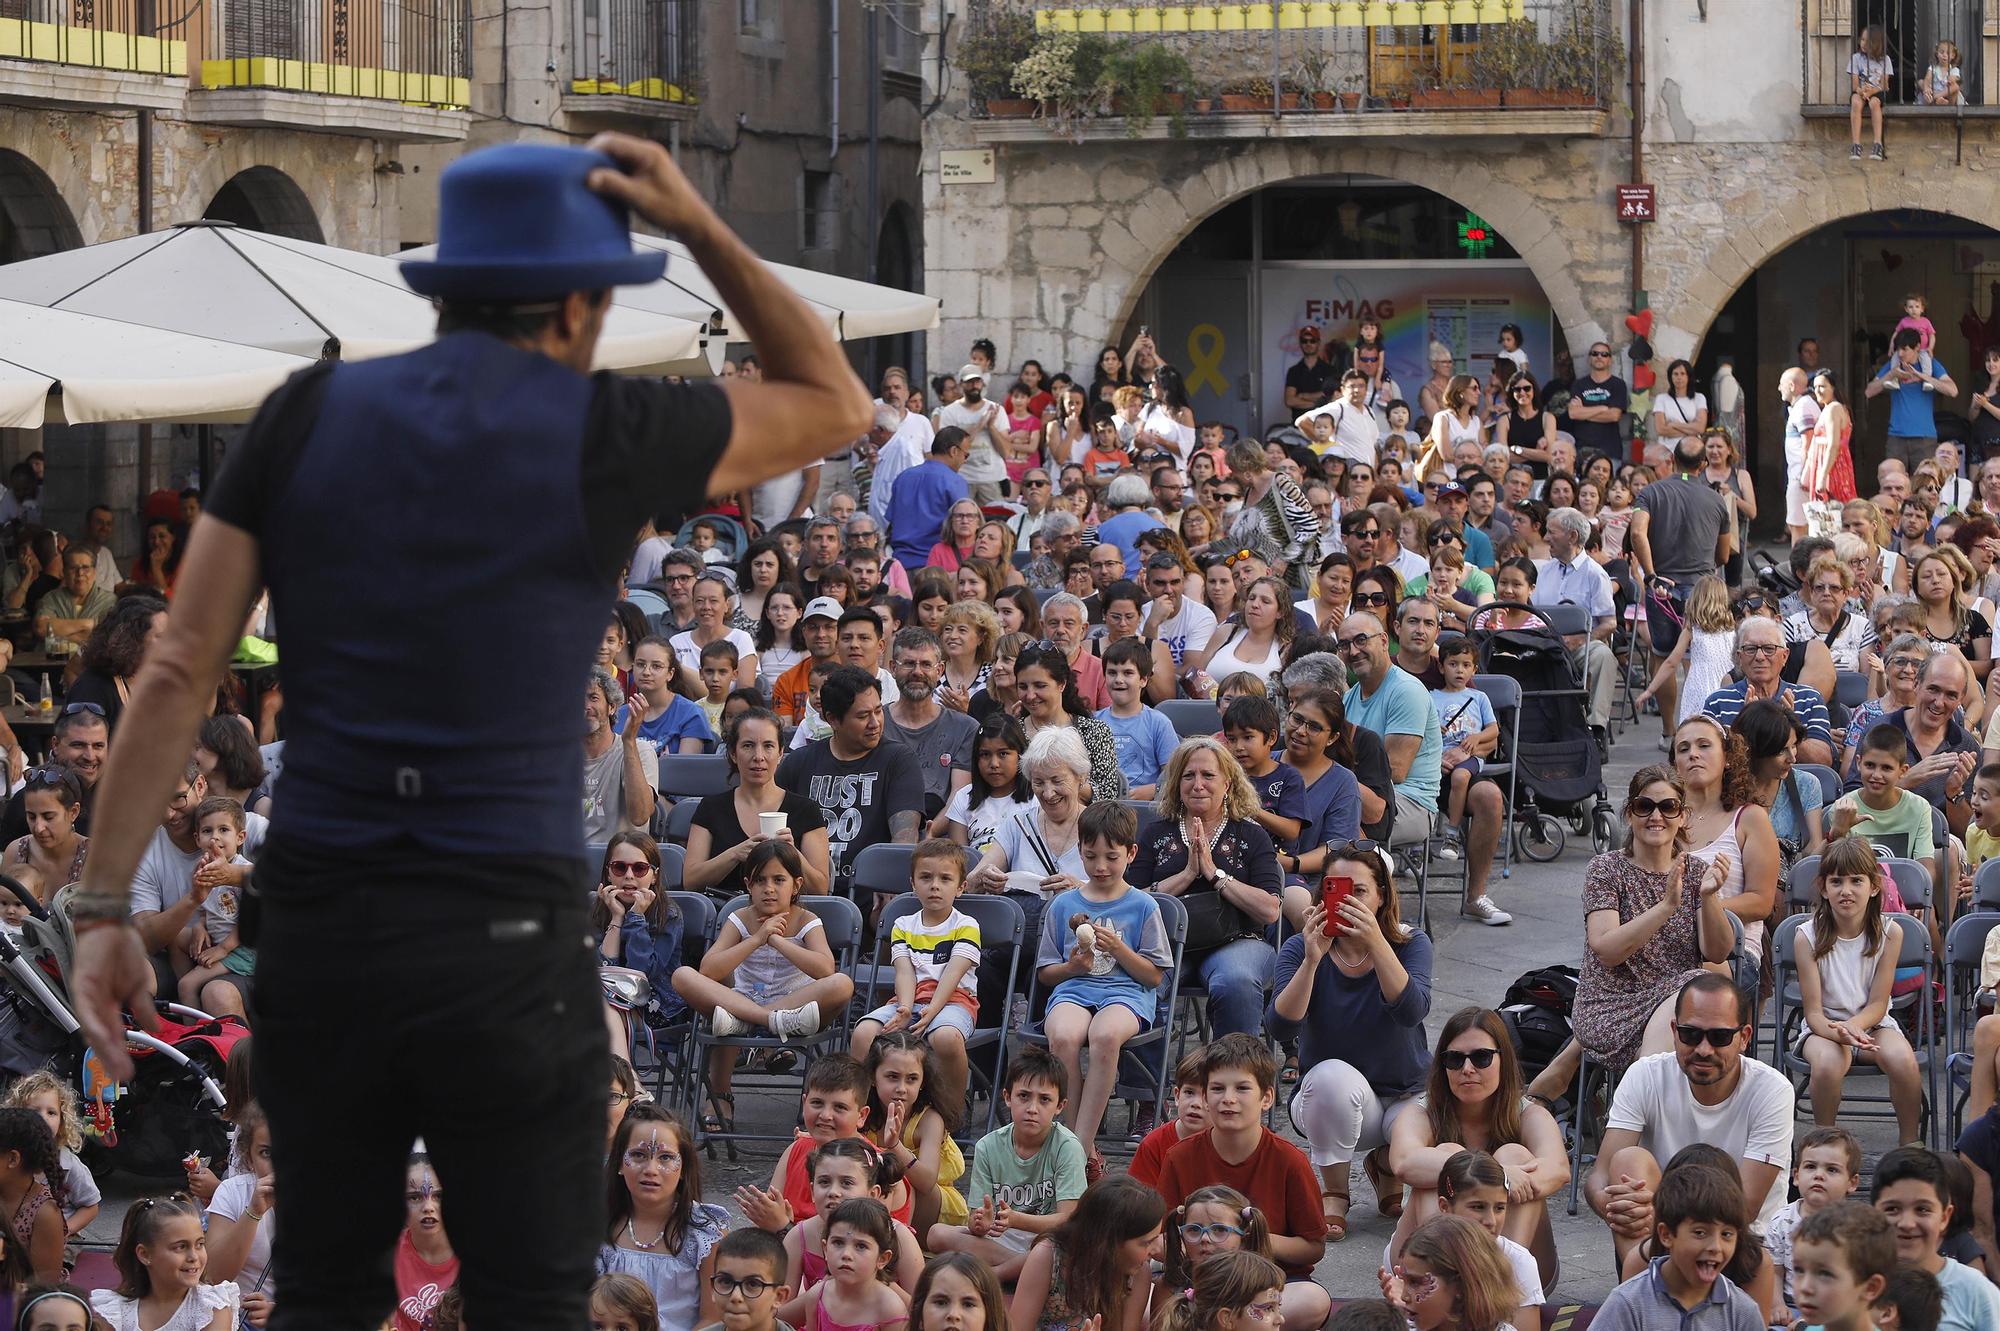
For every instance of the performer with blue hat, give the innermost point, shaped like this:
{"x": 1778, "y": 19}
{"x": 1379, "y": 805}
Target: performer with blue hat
{"x": 442, "y": 533}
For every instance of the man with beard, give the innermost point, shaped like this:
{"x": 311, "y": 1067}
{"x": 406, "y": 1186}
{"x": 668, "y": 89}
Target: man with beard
{"x": 1704, "y": 1091}
{"x": 940, "y": 738}
{"x": 162, "y": 904}
{"x": 985, "y": 426}
{"x": 867, "y": 789}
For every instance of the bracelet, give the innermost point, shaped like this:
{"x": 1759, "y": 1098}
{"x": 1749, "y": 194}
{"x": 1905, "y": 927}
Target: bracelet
{"x": 101, "y": 905}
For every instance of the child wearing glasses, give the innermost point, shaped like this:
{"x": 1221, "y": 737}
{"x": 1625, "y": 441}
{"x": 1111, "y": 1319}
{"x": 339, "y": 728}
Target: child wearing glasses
{"x": 747, "y": 1286}
{"x": 1219, "y": 1220}
{"x": 659, "y": 1230}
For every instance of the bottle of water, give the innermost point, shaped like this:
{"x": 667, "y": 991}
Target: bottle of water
{"x": 48, "y": 702}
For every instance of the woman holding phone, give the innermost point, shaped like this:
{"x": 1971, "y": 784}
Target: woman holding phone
{"x": 1354, "y": 986}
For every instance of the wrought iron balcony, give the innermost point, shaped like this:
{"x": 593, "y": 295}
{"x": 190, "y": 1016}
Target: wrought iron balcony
{"x": 632, "y": 59}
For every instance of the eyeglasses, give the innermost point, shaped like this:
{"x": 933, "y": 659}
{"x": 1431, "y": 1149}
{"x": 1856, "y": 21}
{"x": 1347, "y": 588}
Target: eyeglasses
{"x": 1357, "y": 642}
{"x": 1761, "y": 648}
{"x": 1906, "y": 663}
{"x": 1446, "y": 538}
{"x": 638, "y": 1157}
{"x": 753, "y": 1287}
{"x": 1595, "y": 354}
{"x": 1307, "y": 726}
{"x": 51, "y": 777}
{"x": 1454, "y": 1060}
{"x": 1666, "y": 808}
{"x": 629, "y": 868}
{"x": 1370, "y": 598}
{"x": 1524, "y": 388}
{"x": 1195, "y": 1233}
{"x": 1718, "y": 1037}
{"x": 1825, "y": 587}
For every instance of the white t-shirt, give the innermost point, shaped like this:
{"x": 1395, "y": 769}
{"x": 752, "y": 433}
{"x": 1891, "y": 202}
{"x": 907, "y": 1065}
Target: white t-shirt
{"x": 1230, "y": 660}
{"x": 1680, "y": 410}
{"x": 982, "y": 464}
{"x": 771, "y": 501}
{"x": 164, "y": 875}
{"x": 1754, "y": 1124}
{"x": 1189, "y": 630}
{"x": 772, "y": 665}
{"x": 647, "y": 559}
{"x": 1799, "y": 422}
{"x": 230, "y": 1202}
{"x": 688, "y": 652}
{"x": 981, "y": 824}
{"x": 1355, "y": 431}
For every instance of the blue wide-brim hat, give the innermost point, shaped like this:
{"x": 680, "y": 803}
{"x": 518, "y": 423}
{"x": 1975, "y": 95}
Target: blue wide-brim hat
{"x": 519, "y": 222}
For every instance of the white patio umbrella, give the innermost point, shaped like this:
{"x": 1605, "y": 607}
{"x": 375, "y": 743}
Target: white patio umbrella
{"x": 59, "y": 367}
{"x": 220, "y": 281}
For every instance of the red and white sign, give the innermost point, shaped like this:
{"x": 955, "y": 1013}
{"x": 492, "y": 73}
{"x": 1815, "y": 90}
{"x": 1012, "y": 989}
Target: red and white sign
{"x": 1636, "y": 204}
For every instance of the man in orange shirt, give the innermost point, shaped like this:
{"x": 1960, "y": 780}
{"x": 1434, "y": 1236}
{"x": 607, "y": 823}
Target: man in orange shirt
{"x": 791, "y": 694}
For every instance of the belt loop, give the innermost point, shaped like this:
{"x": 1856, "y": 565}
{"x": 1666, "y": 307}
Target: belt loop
{"x": 409, "y": 783}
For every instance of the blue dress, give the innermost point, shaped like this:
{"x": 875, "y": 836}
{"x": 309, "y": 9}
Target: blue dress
{"x": 673, "y": 1277}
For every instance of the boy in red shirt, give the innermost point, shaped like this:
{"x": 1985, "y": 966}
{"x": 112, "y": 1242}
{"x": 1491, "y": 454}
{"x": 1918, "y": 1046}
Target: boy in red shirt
{"x": 1190, "y": 1117}
{"x": 1242, "y": 1080}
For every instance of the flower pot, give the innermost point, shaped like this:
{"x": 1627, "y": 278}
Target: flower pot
{"x": 1203, "y": 105}
{"x": 1350, "y": 101}
{"x": 1546, "y": 97}
{"x": 1323, "y": 101}
{"x": 1455, "y": 99}
{"x": 1398, "y": 101}
{"x": 1009, "y": 108}
{"x": 1244, "y": 102}
{"x": 1289, "y": 101}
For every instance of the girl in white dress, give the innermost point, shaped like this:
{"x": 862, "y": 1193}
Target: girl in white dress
{"x": 1707, "y": 645}
{"x": 161, "y": 1257}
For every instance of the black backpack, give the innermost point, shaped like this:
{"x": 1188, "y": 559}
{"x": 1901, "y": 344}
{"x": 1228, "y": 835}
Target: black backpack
{"x": 1536, "y": 1010}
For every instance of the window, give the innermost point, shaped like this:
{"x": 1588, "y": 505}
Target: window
{"x": 819, "y": 211}
{"x": 902, "y": 39}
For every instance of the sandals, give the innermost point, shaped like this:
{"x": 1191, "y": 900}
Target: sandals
{"x": 1289, "y": 1075}
{"x": 715, "y": 1122}
{"x": 1336, "y": 1225}
{"x": 1388, "y": 1191}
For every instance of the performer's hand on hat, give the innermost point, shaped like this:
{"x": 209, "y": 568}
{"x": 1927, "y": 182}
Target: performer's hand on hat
{"x": 650, "y": 184}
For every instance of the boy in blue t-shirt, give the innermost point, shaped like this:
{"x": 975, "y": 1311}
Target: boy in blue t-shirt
{"x": 1145, "y": 738}
{"x": 1466, "y": 724}
{"x": 1250, "y": 729}
{"x": 670, "y": 723}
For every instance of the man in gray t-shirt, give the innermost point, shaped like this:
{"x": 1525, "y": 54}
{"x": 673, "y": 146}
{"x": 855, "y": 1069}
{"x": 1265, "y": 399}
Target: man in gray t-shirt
{"x": 939, "y": 737}
{"x": 1680, "y": 531}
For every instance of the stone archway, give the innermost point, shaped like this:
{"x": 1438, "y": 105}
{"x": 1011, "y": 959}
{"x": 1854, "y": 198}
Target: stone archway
{"x": 34, "y": 219}
{"x": 264, "y": 198}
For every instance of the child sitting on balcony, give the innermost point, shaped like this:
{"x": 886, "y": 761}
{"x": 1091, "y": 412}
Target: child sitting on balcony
{"x": 1869, "y": 70}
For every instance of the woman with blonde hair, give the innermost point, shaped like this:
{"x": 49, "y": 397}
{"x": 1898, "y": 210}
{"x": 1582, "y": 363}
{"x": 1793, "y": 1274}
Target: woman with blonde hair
{"x": 1860, "y": 519}
{"x": 1208, "y": 849}
{"x": 1940, "y": 580}
{"x": 969, "y": 634}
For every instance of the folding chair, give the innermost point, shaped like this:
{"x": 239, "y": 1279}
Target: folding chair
{"x": 671, "y": 1045}
{"x": 1829, "y": 781}
{"x": 881, "y": 868}
{"x": 1001, "y": 923}
{"x": 1192, "y": 716}
{"x": 1504, "y": 693}
{"x": 679, "y": 819}
{"x": 841, "y": 921}
{"x": 1986, "y": 886}
{"x": 1915, "y": 951}
{"x": 1145, "y": 1084}
{"x": 1850, "y": 688}
{"x": 1910, "y": 878}
{"x": 693, "y": 775}
{"x": 1964, "y": 945}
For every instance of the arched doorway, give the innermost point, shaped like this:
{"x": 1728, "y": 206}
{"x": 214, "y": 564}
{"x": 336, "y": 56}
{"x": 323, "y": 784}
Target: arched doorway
{"x": 1842, "y": 286}
{"x": 895, "y": 266}
{"x": 1227, "y": 303}
{"x": 264, "y": 198}
{"x": 34, "y": 220}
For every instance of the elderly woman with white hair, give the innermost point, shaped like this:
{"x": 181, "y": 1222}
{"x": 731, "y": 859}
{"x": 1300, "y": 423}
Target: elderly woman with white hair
{"x": 1035, "y": 853}
{"x": 1208, "y": 849}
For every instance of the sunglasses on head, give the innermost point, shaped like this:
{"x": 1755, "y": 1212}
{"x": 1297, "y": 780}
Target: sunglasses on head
{"x": 1718, "y": 1037}
{"x": 1235, "y": 557}
{"x": 1456, "y": 1059}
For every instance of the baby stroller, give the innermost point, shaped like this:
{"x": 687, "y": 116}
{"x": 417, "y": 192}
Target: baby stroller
{"x": 1557, "y": 772}
{"x": 170, "y": 1108}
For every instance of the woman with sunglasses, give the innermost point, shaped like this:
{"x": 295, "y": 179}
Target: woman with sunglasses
{"x": 1473, "y": 1102}
{"x": 1528, "y": 428}
{"x": 53, "y": 800}
{"x": 1653, "y": 919}
{"x": 637, "y": 925}
{"x": 1353, "y": 987}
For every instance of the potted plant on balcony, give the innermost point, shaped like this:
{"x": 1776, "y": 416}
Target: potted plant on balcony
{"x": 1310, "y": 75}
{"x": 1064, "y": 74}
{"x": 1145, "y": 79}
{"x": 998, "y": 35}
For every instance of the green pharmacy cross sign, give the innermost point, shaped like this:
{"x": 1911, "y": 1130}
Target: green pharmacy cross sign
{"x": 1475, "y": 237}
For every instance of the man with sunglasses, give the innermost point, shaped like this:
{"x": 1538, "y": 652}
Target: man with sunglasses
{"x": 1311, "y": 382}
{"x": 1760, "y": 663}
{"x": 1597, "y": 405}
{"x": 1705, "y": 1091}
{"x": 1035, "y": 494}
{"x": 1363, "y": 535}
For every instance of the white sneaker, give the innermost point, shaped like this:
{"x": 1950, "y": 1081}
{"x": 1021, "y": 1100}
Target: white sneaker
{"x": 793, "y": 1022}
{"x": 1483, "y": 910}
{"x": 723, "y": 1022}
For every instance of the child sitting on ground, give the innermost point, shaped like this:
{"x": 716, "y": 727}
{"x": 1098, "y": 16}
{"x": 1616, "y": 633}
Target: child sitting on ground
{"x": 56, "y": 1102}
{"x": 841, "y": 1171}
{"x": 1103, "y": 956}
{"x": 1699, "y": 1219}
{"x": 749, "y": 1282}
{"x": 1190, "y": 1117}
{"x": 1747, "y": 1268}
{"x": 913, "y": 1124}
{"x": 1226, "y": 1292}
{"x": 1027, "y": 1175}
{"x": 833, "y": 1104}
{"x": 1844, "y": 1254}
{"x": 1474, "y": 1185}
{"x": 1913, "y": 1192}
{"x": 1088, "y": 1272}
{"x": 1219, "y": 1219}
{"x": 1910, "y": 1301}
{"x": 1826, "y": 1171}
{"x": 1452, "y": 1278}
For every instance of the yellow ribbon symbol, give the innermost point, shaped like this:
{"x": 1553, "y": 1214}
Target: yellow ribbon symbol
{"x": 1205, "y": 346}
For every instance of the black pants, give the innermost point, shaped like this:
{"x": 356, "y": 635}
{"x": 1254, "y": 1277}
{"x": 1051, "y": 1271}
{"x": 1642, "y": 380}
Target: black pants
{"x": 452, "y": 999}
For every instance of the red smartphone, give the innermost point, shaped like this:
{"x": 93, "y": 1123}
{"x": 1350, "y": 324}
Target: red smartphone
{"x": 1332, "y": 891}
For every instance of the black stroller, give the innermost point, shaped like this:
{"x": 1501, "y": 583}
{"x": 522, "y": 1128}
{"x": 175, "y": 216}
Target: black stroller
{"x": 1557, "y": 772}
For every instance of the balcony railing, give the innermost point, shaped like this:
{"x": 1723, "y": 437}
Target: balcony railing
{"x": 414, "y": 51}
{"x": 127, "y": 36}
{"x": 634, "y": 48}
{"x": 1833, "y": 32}
{"x": 1194, "y": 60}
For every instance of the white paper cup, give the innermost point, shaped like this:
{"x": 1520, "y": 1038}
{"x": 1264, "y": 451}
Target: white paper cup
{"x": 770, "y": 824}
